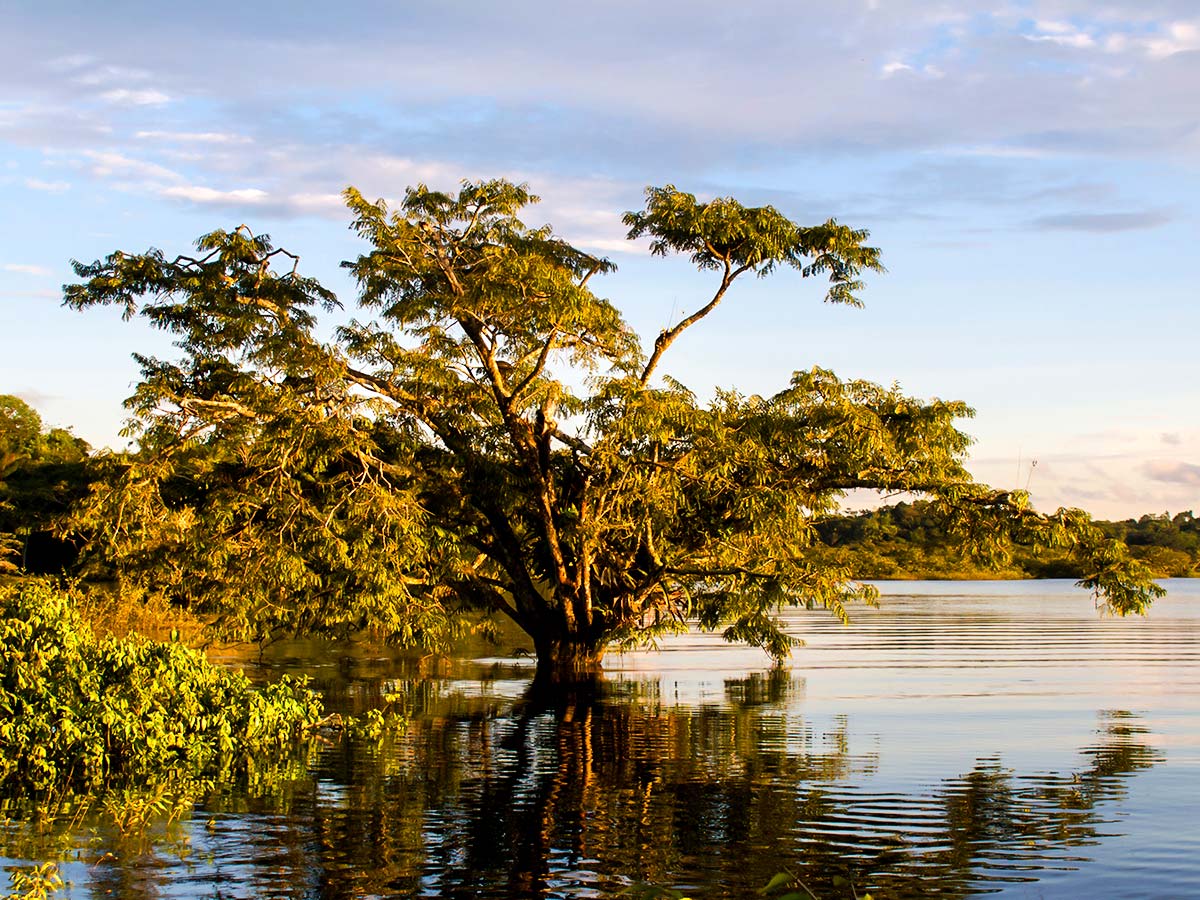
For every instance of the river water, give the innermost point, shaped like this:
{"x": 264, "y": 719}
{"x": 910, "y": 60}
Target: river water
{"x": 966, "y": 738}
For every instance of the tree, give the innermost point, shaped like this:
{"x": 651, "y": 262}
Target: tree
{"x": 437, "y": 456}
{"x": 41, "y": 473}
{"x": 20, "y": 429}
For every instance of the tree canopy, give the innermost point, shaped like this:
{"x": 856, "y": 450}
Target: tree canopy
{"x": 42, "y": 471}
{"x": 438, "y": 455}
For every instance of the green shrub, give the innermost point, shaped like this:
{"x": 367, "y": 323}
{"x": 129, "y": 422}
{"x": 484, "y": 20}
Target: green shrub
{"x": 81, "y": 712}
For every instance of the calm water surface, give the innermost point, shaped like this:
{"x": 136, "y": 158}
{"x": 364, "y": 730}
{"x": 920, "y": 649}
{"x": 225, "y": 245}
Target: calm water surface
{"x": 967, "y": 738}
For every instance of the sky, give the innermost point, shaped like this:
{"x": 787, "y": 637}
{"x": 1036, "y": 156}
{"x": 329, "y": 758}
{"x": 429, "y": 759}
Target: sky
{"x": 1031, "y": 171}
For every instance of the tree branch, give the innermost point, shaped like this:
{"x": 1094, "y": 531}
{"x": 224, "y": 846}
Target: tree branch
{"x": 540, "y": 365}
{"x": 577, "y": 444}
{"x": 667, "y": 337}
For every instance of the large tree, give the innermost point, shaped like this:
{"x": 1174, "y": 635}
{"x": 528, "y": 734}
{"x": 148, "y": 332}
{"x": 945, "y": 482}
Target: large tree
{"x": 492, "y": 437}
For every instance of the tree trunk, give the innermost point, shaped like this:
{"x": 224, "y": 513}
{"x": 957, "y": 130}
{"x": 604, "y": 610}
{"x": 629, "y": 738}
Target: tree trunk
{"x": 563, "y": 660}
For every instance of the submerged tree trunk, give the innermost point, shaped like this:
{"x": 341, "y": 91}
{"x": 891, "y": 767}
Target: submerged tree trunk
{"x": 563, "y": 659}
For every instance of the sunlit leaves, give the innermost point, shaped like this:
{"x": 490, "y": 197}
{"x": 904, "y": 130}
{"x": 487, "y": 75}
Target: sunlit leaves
{"x": 724, "y": 233}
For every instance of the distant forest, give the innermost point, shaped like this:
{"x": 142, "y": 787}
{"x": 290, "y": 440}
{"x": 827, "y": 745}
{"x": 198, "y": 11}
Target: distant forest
{"x": 908, "y": 540}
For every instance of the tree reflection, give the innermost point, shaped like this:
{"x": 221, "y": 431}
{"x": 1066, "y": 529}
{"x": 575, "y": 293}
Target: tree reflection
{"x": 574, "y": 793}
{"x": 586, "y": 789}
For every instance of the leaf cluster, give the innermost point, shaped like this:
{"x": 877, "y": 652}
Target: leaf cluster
{"x": 724, "y": 234}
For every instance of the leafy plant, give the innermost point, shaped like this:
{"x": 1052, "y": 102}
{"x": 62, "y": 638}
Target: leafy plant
{"x": 35, "y": 883}
{"x": 80, "y": 712}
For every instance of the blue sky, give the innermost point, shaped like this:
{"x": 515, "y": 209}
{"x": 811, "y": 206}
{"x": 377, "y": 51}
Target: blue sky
{"x": 1030, "y": 169}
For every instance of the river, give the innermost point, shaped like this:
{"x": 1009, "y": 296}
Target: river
{"x": 965, "y": 738}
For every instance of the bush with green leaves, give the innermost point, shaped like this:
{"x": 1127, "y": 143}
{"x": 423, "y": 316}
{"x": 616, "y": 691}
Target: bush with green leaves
{"x": 81, "y": 712}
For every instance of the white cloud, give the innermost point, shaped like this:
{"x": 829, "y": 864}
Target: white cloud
{"x": 207, "y": 195}
{"x": 613, "y": 245}
{"x": 929, "y": 70}
{"x": 101, "y": 75}
{"x": 130, "y": 97}
{"x": 317, "y": 203}
{"x": 24, "y": 269}
{"x": 50, "y": 187}
{"x": 998, "y": 152}
{"x": 67, "y": 63}
{"x": 194, "y": 137}
{"x": 887, "y": 70}
{"x": 1105, "y": 222}
{"x": 1051, "y": 27}
{"x": 1061, "y": 33}
{"x": 1116, "y": 43}
{"x": 1178, "y": 37}
{"x": 1079, "y": 41}
{"x": 42, "y": 294}
{"x": 109, "y": 164}
{"x": 1166, "y": 40}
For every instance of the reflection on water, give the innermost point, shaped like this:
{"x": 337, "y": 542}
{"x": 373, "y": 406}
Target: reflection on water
{"x": 1042, "y": 766}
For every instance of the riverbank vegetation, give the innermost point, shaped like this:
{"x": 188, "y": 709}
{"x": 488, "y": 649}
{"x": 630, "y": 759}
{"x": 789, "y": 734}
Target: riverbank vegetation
{"x": 910, "y": 540}
{"x": 83, "y": 713}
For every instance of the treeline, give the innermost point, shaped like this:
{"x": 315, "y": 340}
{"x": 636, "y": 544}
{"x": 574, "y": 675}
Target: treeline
{"x": 909, "y": 540}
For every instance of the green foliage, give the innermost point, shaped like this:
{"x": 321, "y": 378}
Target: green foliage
{"x": 440, "y": 455}
{"x": 725, "y": 235}
{"x": 41, "y": 474}
{"x": 20, "y": 428}
{"x": 1169, "y": 545}
{"x": 78, "y": 712}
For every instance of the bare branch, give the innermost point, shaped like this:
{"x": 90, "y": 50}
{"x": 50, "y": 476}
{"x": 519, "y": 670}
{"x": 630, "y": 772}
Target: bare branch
{"x": 577, "y": 444}
{"x": 667, "y": 337}
{"x": 540, "y": 365}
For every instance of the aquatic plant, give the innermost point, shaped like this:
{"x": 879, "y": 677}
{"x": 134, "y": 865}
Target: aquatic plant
{"x": 34, "y": 883}
{"x": 78, "y": 712}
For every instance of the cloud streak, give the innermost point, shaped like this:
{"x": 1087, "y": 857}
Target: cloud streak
{"x": 135, "y": 97}
{"x": 1106, "y": 222}
{"x": 26, "y": 269}
{"x": 49, "y": 187}
{"x": 193, "y": 137}
{"x": 1173, "y": 472}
